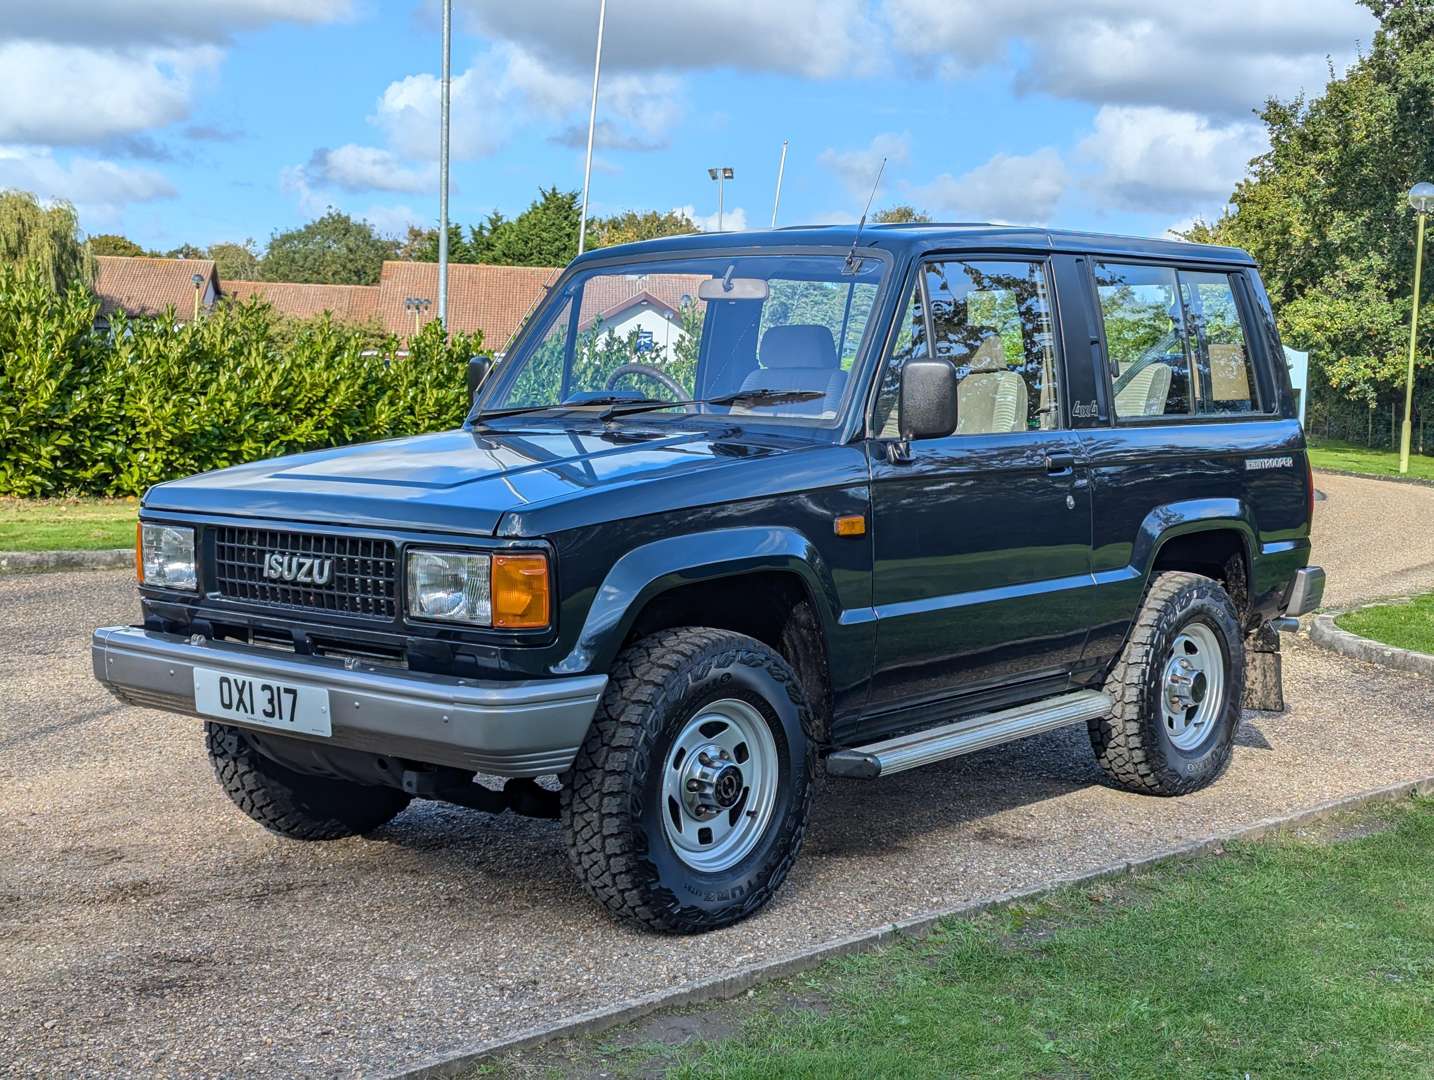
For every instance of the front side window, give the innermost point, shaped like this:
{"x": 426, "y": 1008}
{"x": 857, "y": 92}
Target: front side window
{"x": 1175, "y": 342}
{"x": 991, "y": 319}
{"x": 697, "y": 328}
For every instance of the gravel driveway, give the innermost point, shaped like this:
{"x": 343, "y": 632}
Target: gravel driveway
{"x": 146, "y": 927}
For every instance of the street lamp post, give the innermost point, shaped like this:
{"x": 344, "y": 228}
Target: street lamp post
{"x": 720, "y": 174}
{"x": 592, "y": 127}
{"x": 1421, "y": 198}
{"x": 198, "y": 280}
{"x": 445, "y": 96}
{"x": 418, "y": 305}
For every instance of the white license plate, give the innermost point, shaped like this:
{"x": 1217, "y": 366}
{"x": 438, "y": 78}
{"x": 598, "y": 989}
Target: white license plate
{"x": 283, "y": 706}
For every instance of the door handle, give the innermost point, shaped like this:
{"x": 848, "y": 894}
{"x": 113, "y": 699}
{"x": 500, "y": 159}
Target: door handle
{"x": 1060, "y": 462}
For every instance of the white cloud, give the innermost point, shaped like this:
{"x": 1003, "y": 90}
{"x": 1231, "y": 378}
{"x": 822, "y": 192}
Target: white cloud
{"x": 734, "y": 218}
{"x": 106, "y": 22}
{"x": 1160, "y": 160}
{"x": 1218, "y": 56}
{"x": 68, "y": 95}
{"x": 395, "y": 220}
{"x": 857, "y": 169}
{"x": 814, "y": 38}
{"x": 1020, "y": 188}
{"x": 100, "y": 190}
{"x": 367, "y": 168}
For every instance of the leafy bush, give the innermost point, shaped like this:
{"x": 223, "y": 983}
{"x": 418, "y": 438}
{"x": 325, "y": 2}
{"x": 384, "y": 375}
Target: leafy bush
{"x": 112, "y": 413}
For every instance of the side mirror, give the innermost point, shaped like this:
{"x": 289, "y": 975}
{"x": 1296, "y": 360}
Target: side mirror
{"x": 928, "y": 399}
{"x": 478, "y": 368}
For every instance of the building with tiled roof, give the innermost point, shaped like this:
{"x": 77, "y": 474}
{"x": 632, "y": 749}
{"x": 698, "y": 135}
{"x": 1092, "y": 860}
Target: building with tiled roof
{"x": 493, "y": 299}
{"x": 151, "y": 286}
{"x": 346, "y": 303}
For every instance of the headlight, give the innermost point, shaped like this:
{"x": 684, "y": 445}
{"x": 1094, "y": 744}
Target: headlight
{"x": 506, "y": 591}
{"x": 166, "y": 557}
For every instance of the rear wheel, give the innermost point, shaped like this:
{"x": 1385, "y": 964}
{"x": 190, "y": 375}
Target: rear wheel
{"x": 688, "y": 801}
{"x": 295, "y": 804}
{"x": 1176, "y": 688}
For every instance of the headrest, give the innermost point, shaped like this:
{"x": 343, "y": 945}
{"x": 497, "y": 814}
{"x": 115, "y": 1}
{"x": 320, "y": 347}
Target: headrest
{"x": 800, "y": 345}
{"x": 990, "y": 356}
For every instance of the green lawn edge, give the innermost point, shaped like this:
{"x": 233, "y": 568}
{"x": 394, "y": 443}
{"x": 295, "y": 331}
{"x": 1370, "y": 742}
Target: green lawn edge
{"x": 1404, "y": 624}
{"x": 67, "y": 524}
{"x": 1337, "y": 455}
{"x": 1309, "y": 954}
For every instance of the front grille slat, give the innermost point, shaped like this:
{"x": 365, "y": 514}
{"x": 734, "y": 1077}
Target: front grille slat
{"x": 365, "y": 577}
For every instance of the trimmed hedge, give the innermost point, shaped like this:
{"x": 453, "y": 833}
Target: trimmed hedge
{"x": 83, "y": 411}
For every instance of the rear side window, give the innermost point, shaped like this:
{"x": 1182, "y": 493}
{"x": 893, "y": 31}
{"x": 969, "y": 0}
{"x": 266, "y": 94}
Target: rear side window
{"x": 1175, "y": 341}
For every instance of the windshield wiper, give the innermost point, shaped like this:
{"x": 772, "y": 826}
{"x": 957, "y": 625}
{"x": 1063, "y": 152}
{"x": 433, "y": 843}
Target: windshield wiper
{"x": 600, "y": 402}
{"x": 741, "y": 397}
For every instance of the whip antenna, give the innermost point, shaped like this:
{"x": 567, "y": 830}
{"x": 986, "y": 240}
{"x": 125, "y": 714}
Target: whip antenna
{"x": 852, "y": 262}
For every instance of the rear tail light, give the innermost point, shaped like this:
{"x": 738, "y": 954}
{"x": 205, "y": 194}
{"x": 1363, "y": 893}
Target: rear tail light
{"x": 1309, "y": 488}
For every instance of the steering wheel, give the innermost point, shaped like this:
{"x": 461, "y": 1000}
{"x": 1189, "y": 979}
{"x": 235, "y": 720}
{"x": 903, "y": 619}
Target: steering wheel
{"x": 656, "y": 374}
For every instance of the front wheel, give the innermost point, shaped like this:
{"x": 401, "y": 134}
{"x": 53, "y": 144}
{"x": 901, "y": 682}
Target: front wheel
{"x": 688, "y": 801}
{"x": 1176, "y": 688}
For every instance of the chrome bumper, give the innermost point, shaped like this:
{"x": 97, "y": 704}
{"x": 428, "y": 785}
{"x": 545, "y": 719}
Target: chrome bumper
{"x": 1307, "y": 592}
{"x": 529, "y": 728}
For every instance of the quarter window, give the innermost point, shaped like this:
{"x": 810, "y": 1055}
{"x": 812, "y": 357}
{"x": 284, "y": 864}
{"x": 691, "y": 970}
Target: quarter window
{"x": 992, "y": 321}
{"x": 1175, "y": 342}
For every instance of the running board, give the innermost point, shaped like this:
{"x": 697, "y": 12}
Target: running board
{"x": 967, "y": 736}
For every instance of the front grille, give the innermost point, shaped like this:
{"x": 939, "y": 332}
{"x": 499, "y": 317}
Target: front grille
{"x": 365, "y": 573}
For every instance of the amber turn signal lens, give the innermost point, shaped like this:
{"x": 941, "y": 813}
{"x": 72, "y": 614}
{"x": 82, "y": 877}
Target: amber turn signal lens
{"x": 851, "y": 525}
{"x": 520, "y": 592}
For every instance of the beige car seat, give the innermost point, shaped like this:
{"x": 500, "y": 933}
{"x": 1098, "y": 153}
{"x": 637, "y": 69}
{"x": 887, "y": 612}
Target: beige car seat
{"x": 991, "y": 398}
{"x": 1145, "y": 394}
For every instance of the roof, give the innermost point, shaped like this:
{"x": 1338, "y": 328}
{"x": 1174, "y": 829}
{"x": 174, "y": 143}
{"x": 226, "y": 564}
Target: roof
{"x": 347, "y": 303}
{"x": 493, "y": 299}
{"x": 149, "y": 286}
{"x": 641, "y": 298}
{"x": 914, "y": 238}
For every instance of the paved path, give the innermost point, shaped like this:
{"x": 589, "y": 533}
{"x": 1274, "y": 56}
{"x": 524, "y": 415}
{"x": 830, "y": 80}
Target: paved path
{"x": 1378, "y": 535}
{"x": 147, "y": 928}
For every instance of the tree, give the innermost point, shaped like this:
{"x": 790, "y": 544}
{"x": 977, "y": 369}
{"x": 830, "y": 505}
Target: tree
{"x": 44, "y": 238}
{"x": 900, "y": 214}
{"x": 235, "y": 262}
{"x": 1324, "y": 209}
{"x": 545, "y": 234}
{"x": 114, "y": 244}
{"x": 335, "y": 250}
{"x": 633, "y": 225}
{"x": 184, "y": 251}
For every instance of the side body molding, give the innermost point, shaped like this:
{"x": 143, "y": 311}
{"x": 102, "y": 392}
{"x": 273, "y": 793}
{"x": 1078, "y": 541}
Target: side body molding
{"x": 647, "y": 571}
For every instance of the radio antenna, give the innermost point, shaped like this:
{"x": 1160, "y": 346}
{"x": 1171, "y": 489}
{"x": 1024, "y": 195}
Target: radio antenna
{"x": 852, "y": 263}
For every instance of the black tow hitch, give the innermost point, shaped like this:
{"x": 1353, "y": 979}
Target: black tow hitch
{"x": 520, "y": 794}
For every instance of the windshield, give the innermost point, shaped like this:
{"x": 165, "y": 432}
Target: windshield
{"x": 778, "y": 335}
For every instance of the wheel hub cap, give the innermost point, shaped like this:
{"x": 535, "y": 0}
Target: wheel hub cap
{"x": 719, "y": 785}
{"x": 1193, "y": 686}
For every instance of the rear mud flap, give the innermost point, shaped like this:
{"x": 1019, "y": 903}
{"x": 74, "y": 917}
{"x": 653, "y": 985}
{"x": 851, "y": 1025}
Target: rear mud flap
{"x": 1264, "y": 675}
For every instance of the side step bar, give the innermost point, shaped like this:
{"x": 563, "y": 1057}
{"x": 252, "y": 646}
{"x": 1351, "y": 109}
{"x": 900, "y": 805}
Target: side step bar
{"x": 967, "y": 736}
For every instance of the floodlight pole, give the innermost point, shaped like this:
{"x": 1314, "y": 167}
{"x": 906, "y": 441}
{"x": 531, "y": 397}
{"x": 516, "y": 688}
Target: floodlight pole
{"x": 592, "y": 127}
{"x": 447, "y": 82}
{"x": 781, "y": 168}
{"x": 1404, "y": 432}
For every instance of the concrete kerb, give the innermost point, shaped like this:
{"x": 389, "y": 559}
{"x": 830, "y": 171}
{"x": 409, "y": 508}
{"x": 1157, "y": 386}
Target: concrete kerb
{"x": 49, "y": 562}
{"x": 1325, "y": 633}
{"x": 739, "y": 982}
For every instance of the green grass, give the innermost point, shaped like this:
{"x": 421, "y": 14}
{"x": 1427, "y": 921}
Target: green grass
{"x": 1406, "y": 624}
{"x": 1351, "y": 457}
{"x": 66, "y": 524}
{"x": 1308, "y": 956}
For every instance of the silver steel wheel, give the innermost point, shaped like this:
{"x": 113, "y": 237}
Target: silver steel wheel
{"x": 1192, "y": 687}
{"x": 719, "y": 785}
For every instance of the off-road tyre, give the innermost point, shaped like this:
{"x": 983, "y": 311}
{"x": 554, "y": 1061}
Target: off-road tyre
{"x": 611, "y": 804}
{"x": 294, "y": 804}
{"x": 1130, "y": 742}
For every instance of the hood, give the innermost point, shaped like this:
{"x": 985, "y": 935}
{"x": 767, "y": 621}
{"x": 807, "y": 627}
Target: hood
{"x": 454, "y": 481}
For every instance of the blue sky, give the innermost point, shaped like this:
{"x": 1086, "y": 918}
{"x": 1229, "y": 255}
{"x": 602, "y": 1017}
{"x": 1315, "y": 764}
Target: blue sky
{"x": 196, "y": 121}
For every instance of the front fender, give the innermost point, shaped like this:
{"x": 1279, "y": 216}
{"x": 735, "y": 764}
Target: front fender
{"x": 652, "y": 569}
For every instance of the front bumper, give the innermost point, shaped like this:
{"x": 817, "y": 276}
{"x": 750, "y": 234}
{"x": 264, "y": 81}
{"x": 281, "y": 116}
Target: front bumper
{"x": 527, "y": 728}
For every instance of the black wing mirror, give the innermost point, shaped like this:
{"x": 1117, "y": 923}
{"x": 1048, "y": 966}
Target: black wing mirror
{"x": 478, "y": 368}
{"x": 928, "y": 399}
